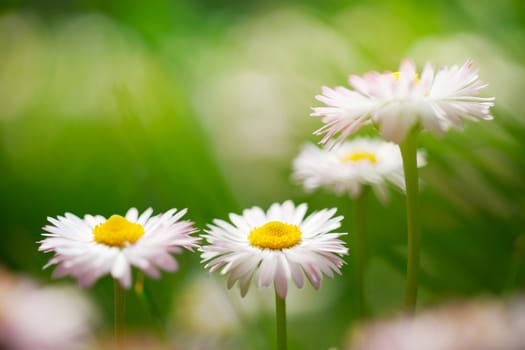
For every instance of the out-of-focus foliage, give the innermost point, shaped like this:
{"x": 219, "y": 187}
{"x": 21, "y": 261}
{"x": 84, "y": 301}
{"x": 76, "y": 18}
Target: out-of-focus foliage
{"x": 204, "y": 104}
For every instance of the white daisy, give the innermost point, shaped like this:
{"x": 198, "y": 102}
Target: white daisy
{"x": 355, "y": 164}
{"x": 398, "y": 101}
{"x": 95, "y": 246}
{"x": 275, "y": 246}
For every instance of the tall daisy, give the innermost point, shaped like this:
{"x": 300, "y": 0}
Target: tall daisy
{"x": 401, "y": 104}
{"x": 94, "y": 246}
{"x": 275, "y": 247}
{"x": 397, "y": 102}
{"x": 352, "y": 169}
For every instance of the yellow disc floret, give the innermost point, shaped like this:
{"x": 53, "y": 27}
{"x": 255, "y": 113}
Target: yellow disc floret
{"x": 360, "y": 156}
{"x": 275, "y": 235}
{"x": 397, "y": 75}
{"x": 116, "y": 231}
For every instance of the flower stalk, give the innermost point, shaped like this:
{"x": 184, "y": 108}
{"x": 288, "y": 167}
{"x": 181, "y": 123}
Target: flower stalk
{"x": 280, "y": 313}
{"x": 119, "y": 308}
{"x": 145, "y": 297}
{"x": 409, "y": 153}
{"x": 361, "y": 248}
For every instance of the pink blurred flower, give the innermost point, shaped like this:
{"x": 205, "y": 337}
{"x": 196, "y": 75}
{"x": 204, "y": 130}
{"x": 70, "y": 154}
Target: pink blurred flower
{"x": 44, "y": 318}
{"x": 489, "y": 324}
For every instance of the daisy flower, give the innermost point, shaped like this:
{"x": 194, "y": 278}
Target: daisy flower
{"x": 352, "y": 166}
{"x": 275, "y": 247}
{"x": 90, "y": 248}
{"x": 396, "y": 102}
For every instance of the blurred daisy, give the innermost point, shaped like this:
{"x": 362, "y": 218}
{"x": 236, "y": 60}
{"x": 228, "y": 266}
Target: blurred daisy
{"x": 95, "y": 246}
{"x": 474, "y": 324}
{"x": 397, "y": 102}
{"x": 275, "y": 247}
{"x": 352, "y": 166}
{"x": 25, "y": 310}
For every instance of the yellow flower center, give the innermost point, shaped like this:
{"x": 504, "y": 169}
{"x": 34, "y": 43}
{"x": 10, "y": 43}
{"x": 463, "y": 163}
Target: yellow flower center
{"x": 275, "y": 235}
{"x": 397, "y": 75}
{"x": 116, "y": 231}
{"x": 359, "y": 157}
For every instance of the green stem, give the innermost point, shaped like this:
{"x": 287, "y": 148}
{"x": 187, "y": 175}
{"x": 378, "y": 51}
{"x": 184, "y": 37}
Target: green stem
{"x": 361, "y": 248}
{"x": 409, "y": 153}
{"x": 119, "y": 295}
{"x": 280, "y": 313}
{"x": 147, "y": 302}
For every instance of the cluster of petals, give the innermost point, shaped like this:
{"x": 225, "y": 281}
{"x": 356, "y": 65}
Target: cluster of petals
{"x": 319, "y": 167}
{"x": 317, "y": 253}
{"x": 79, "y": 255}
{"x": 398, "y": 102}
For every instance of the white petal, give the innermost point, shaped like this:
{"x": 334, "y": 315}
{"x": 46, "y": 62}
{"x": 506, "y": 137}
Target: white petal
{"x": 166, "y": 262}
{"x": 143, "y": 218}
{"x": 132, "y": 215}
{"x": 255, "y": 217}
{"x": 282, "y": 274}
{"x": 244, "y": 283}
{"x": 266, "y": 273}
{"x": 298, "y": 216}
{"x": 313, "y": 274}
{"x": 122, "y": 271}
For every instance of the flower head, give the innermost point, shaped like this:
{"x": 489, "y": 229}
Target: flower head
{"x": 95, "y": 246}
{"x": 275, "y": 246}
{"x": 399, "y": 101}
{"x": 352, "y": 166}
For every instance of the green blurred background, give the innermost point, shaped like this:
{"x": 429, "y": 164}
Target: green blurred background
{"x": 204, "y": 104}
